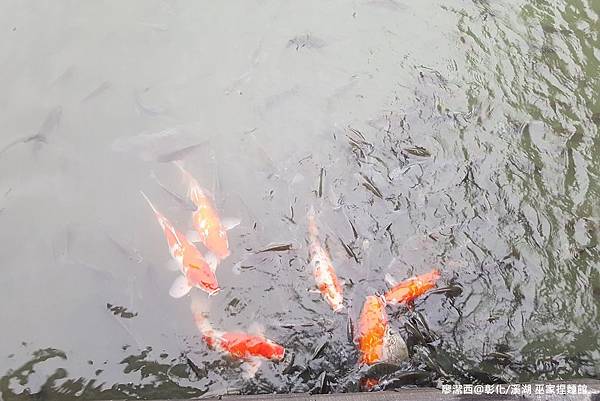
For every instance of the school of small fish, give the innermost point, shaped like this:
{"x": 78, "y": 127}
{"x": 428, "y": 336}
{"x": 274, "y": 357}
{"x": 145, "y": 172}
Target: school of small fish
{"x": 376, "y": 342}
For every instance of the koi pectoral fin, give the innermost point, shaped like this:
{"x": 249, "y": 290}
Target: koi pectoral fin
{"x": 212, "y": 261}
{"x": 250, "y": 367}
{"x": 180, "y": 287}
{"x": 230, "y": 222}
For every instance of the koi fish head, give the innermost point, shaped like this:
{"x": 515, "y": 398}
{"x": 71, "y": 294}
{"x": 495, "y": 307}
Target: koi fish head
{"x": 242, "y": 345}
{"x": 203, "y": 278}
{"x": 408, "y": 290}
{"x": 431, "y": 277}
{"x": 197, "y": 270}
{"x": 372, "y": 328}
{"x": 270, "y": 350}
{"x": 264, "y": 348}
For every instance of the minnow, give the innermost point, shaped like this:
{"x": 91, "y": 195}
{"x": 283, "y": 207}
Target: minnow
{"x": 50, "y": 124}
{"x": 195, "y": 270}
{"x": 323, "y": 270}
{"x": 412, "y": 288}
{"x": 211, "y": 230}
{"x": 250, "y": 348}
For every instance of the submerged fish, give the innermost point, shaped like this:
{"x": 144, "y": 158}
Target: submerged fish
{"x": 377, "y": 342}
{"x": 327, "y": 281}
{"x": 210, "y": 229}
{"x": 195, "y": 270}
{"x": 412, "y": 288}
{"x": 251, "y": 348}
{"x": 49, "y": 125}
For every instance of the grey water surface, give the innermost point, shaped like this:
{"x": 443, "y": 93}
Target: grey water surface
{"x": 459, "y": 135}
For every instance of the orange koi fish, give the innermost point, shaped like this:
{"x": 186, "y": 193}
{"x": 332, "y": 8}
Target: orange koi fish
{"x": 375, "y": 339}
{"x": 251, "y": 348}
{"x": 195, "y": 270}
{"x": 209, "y": 228}
{"x": 327, "y": 281}
{"x": 412, "y": 288}
{"x": 372, "y": 326}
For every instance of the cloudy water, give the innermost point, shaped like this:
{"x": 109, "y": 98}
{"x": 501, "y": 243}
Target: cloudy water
{"x": 457, "y": 135}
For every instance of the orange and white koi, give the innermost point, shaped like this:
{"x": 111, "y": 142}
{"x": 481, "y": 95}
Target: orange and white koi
{"x": 211, "y": 230}
{"x": 251, "y": 348}
{"x": 195, "y": 270}
{"x": 372, "y": 326}
{"x": 323, "y": 271}
{"x": 412, "y": 288}
{"x": 377, "y": 342}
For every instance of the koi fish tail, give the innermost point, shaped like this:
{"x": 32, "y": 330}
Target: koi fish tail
{"x": 150, "y": 203}
{"x": 187, "y": 177}
{"x": 179, "y": 165}
{"x": 194, "y": 191}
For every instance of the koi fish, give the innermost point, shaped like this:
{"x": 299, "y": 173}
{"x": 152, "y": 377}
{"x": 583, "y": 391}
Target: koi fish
{"x": 250, "y": 348}
{"x": 195, "y": 270}
{"x": 410, "y": 289}
{"x": 377, "y": 342}
{"x": 323, "y": 271}
{"x": 210, "y": 230}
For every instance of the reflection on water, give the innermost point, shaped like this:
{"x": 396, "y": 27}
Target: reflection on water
{"x": 455, "y": 135}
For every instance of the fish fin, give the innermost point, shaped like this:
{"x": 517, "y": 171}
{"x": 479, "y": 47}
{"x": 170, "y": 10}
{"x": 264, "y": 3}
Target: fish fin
{"x": 390, "y": 280}
{"x": 212, "y": 261}
{"x": 192, "y": 182}
{"x": 180, "y": 287}
{"x": 230, "y": 222}
{"x": 250, "y": 367}
{"x": 173, "y": 265}
{"x": 193, "y": 236}
{"x": 256, "y": 328}
{"x": 149, "y": 202}
{"x": 179, "y": 165}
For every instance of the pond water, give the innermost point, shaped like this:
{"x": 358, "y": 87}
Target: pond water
{"x": 458, "y": 135}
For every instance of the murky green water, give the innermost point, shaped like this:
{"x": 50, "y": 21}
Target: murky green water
{"x": 479, "y": 156}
